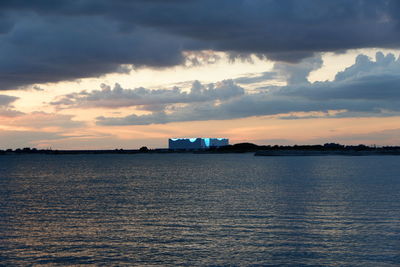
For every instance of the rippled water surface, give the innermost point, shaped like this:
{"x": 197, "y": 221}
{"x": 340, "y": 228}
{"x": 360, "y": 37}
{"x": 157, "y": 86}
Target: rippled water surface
{"x": 188, "y": 209}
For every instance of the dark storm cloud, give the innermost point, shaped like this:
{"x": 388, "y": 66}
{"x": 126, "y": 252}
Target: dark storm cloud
{"x": 367, "y": 88}
{"x": 38, "y": 51}
{"x": 49, "y": 41}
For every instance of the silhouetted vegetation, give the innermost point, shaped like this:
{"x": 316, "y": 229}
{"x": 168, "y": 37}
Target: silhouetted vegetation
{"x": 28, "y": 150}
{"x": 144, "y": 149}
{"x": 236, "y": 148}
{"x": 333, "y": 147}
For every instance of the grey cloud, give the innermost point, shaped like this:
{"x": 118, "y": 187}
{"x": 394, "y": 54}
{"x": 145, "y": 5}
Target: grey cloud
{"x": 292, "y": 73}
{"x": 49, "y": 41}
{"x": 296, "y": 74}
{"x": 6, "y": 100}
{"x": 7, "y": 112}
{"x": 268, "y": 75}
{"x": 154, "y": 100}
{"x": 6, "y": 107}
{"x": 364, "y": 89}
{"x": 364, "y": 66}
{"x": 41, "y": 50}
{"x": 40, "y": 120}
{"x": 250, "y": 105}
{"x": 365, "y": 80}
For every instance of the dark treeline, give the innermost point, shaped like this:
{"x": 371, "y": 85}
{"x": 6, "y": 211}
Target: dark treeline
{"x": 249, "y": 147}
{"x": 28, "y": 150}
{"x": 236, "y": 148}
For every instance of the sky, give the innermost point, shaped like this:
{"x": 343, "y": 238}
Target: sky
{"x": 102, "y": 74}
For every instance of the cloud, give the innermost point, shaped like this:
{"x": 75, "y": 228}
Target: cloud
{"x": 6, "y": 108}
{"x": 47, "y": 41}
{"x": 261, "y": 77}
{"x": 387, "y": 136}
{"x": 290, "y": 73}
{"x": 31, "y": 129}
{"x": 6, "y": 100}
{"x": 19, "y": 139}
{"x": 297, "y": 74}
{"x": 149, "y": 99}
{"x": 6, "y": 112}
{"x": 368, "y": 88}
{"x": 41, "y": 120}
{"x": 41, "y": 50}
{"x": 365, "y": 80}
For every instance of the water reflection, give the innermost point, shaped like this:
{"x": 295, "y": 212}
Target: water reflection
{"x": 199, "y": 210}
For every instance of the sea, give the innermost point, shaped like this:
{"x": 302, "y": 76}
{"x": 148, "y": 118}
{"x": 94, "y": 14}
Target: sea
{"x": 199, "y": 210}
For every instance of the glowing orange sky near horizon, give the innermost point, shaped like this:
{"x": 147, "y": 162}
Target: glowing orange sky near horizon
{"x": 41, "y": 126}
{"x": 261, "y": 130}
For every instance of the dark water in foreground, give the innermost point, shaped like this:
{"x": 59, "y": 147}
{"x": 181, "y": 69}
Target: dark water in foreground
{"x": 184, "y": 209}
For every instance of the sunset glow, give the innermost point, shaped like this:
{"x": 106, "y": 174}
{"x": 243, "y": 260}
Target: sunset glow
{"x": 247, "y": 93}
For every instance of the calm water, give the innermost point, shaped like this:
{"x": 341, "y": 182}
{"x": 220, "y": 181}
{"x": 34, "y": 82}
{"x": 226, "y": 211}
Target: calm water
{"x": 184, "y": 209}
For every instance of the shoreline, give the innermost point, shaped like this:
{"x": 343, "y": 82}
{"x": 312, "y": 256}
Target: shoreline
{"x": 304, "y": 153}
{"x": 263, "y": 153}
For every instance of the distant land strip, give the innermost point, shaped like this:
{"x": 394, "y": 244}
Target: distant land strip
{"x": 263, "y": 150}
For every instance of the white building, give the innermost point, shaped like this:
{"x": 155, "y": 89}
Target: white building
{"x": 196, "y": 143}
